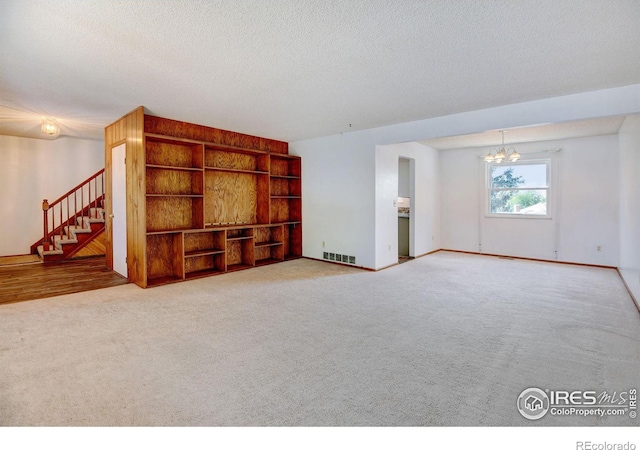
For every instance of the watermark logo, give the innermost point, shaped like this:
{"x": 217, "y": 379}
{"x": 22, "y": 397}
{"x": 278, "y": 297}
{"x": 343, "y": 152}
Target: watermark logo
{"x": 534, "y": 403}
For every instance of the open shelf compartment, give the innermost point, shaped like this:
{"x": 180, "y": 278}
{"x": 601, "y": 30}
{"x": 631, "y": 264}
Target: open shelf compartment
{"x": 173, "y": 213}
{"x": 293, "y": 240}
{"x": 168, "y": 152}
{"x": 235, "y": 159}
{"x": 240, "y": 252}
{"x": 170, "y": 181}
{"x": 164, "y": 258}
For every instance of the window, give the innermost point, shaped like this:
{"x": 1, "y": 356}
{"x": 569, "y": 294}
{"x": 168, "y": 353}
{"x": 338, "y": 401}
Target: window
{"x": 518, "y": 189}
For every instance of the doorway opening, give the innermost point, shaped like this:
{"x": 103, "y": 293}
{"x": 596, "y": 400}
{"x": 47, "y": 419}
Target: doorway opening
{"x": 406, "y": 193}
{"x": 119, "y": 207}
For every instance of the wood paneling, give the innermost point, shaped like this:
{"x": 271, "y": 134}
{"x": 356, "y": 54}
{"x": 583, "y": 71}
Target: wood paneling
{"x": 173, "y": 213}
{"x": 235, "y": 160}
{"x": 33, "y": 281}
{"x": 206, "y": 263}
{"x": 184, "y": 177}
{"x": 269, "y": 234}
{"x": 239, "y": 253}
{"x": 202, "y": 241}
{"x": 279, "y": 167}
{"x": 230, "y": 198}
{"x": 167, "y": 153}
{"x": 293, "y": 240}
{"x": 174, "y": 128}
{"x": 96, "y": 247}
{"x": 174, "y": 182}
{"x": 170, "y": 266}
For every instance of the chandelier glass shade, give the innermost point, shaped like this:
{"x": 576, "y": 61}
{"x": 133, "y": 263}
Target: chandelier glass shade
{"x": 50, "y": 126}
{"x": 503, "y": 154}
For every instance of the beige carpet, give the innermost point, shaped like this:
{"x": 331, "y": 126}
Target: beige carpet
{"x": 447, "y": 339}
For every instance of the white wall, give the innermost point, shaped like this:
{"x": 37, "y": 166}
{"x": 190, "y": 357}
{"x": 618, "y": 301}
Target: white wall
{"x": 337, "y": 199}
{"x": 424, "y": 232}
{"x": 583, "y": 204}
{"x": 34, "y": 169}
{"x": 629, "y": 142}
{"x": 339, "y": 179}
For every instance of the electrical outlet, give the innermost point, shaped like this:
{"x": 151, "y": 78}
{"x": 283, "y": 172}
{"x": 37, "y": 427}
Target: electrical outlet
{"x": 389, "y": 247}
{"x": 599, "y": 248}
{"x": 322, "y": 244}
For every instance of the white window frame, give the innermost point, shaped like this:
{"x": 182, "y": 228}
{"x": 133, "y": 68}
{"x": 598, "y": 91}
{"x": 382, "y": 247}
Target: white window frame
{"x": 526, "y": 162}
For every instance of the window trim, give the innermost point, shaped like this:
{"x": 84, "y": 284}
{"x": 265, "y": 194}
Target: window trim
{"x": 526, "y": 162}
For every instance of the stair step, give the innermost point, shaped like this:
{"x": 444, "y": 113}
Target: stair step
{"x": 50, "y": 252}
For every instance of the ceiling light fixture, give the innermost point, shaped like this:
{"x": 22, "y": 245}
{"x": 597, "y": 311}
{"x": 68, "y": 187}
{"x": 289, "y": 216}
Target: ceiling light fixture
{"x": 503, "y": 154}
{"x": 50, "y": 126}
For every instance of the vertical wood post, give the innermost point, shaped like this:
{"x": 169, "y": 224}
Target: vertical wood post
{"x": 45, "y": 211}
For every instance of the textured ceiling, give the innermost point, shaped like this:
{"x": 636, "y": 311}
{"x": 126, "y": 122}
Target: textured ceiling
{"x": 295, "y": 69}
{"x": 542, "y": 132}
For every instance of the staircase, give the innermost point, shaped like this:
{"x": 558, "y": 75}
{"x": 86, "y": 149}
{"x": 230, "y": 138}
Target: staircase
{"x": 72, "y": 221}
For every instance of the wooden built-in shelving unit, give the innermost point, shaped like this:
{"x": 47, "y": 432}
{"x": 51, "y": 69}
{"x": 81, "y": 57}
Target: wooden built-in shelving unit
{"x": 205, "y": 201}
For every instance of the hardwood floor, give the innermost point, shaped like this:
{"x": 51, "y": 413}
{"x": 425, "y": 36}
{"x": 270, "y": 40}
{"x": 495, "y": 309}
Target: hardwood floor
{"x": 34, "y": 281}
{"x": 19, "y": 260}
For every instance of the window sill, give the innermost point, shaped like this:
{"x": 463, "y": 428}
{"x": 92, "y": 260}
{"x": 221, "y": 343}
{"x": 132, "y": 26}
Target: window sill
{"x": 517, "y": 216}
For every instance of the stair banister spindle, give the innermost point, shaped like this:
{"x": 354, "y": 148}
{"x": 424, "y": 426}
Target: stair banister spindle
{"x": 61, "y": 227}
{"x": 68, "y": 216}
{"x": 90, "y": 197}
{"x": 45, "y": 212}
{"x": 81, "y": 198}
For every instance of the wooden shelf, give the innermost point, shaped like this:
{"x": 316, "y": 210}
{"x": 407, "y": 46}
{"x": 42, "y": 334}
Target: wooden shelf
{"x": 185, "y": 169}
{"x": 267, "y": 244}
{"x": 205, "y": 201}
{"x": 264, "y": 262}
{"x": 244, "y": 160}
{"x": 285, "y": 156}
{"x": 284, "y": 209}
{"x": 287, "y": 177}
{"x": 170, "y": 139}
{"x": 203, "y": 273}
{"x": 292, "y": 240}
{"x": 220, "y": 169}
{"x": 173, "y": 213}
{"x": 162, "y": 280}
{"x": 205, "y": 263}
{"x": 177, "y": 195}
{"x": 285, "y": 166}
{"x": 175, "y": 153}
{"x": 235, "y": 149}
{"x": 235, "y": 267}
{"x": 171, "y": 181}
{"x": 206, "y": 252}
{"x": 169, "y": 266}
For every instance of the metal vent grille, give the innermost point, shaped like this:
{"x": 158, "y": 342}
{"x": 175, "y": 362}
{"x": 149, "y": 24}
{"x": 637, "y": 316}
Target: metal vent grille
{"x": 339, "y": 257}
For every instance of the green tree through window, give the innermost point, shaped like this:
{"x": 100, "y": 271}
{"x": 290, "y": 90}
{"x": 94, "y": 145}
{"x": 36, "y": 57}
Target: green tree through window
{"x": 500, "y": 199}
{"x": 519, "y": 188}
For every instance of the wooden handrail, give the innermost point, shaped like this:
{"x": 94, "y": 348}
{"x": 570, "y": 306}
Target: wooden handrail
{"x": 54, "y": 222}
{"x": 71, "y": 191}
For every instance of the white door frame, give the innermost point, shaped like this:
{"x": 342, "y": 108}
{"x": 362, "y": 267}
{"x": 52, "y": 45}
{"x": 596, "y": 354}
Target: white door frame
{"x": 118, "y": 215}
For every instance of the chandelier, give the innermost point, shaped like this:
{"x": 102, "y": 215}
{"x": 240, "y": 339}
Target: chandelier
{"x": 50, "y": 126}
{"x": 503, "y": 154}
